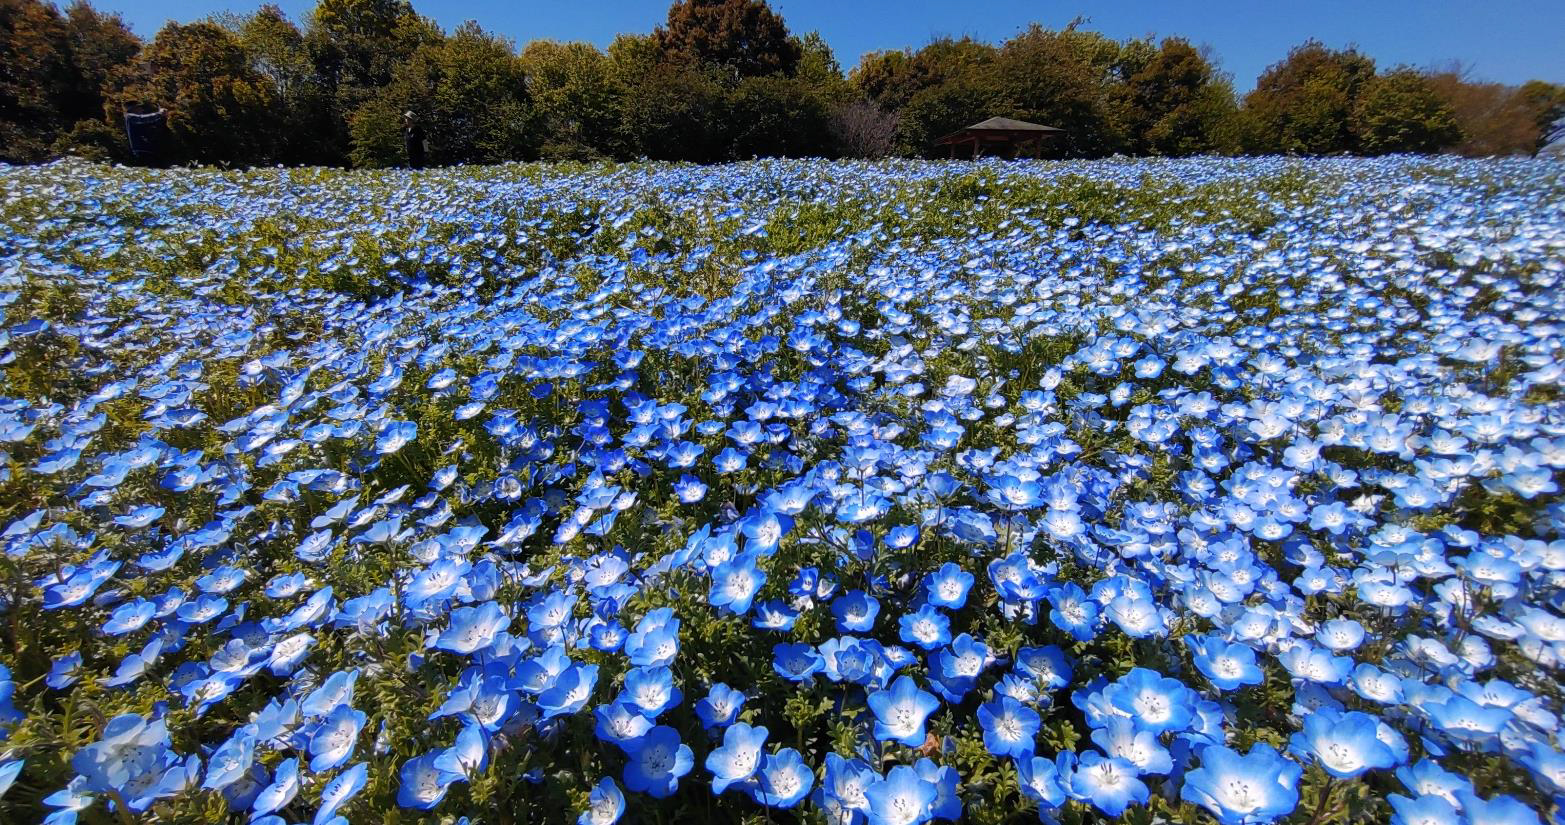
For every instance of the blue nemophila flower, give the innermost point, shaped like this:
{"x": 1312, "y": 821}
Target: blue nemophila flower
{"x": 231, "y": 761}
{"x": 1466, "y": 720}
{"x": 468, "y": 756}
{"x": 1424, "y": 810}
{"x": 437, "y": 582}
{"x": 343, "y": 787}
{"x": 947, "y": 804}
{"x": 1156, "y": 702}
{"x": 605, "y": 804}
{"x": 784, "y": 779}
{"x": 473, "y": 628}
{"x": 1248, "y": 789}
{"x": 570, "y": 691}
{"x": 395, "y": 436}
{"x": 901, "y": 798}
{"x": 337, "y": 689}
{"x": 620, "y": 723}
{"x": 901, "y": 711}
{"x": 656, "y": 761}
{"x": 720, "y": 706}
{"x": 1123, "y": 739}
{"x": 796, "y": 662}
{"x": 764, "y": 530}
{"x": 1345, "y": 744}
{"x": 1229, "y": 665}
{"x": 1073, "y": 612}
{"x": 1109, "y": 783}
{"x": 655, "y": 641}
{"x": 1011, "y": 493}
{"x": 8, "y": 773}
{"x": 735, "y": 583}
{"x": 276, "y": 796}
{"x": 129, "y": 617}
{"x": 65, "y": 671}
{"x": 334, "y": 739}
{"x": 421, "y": 783}
{"x": 954, "y": 671}
{"x": 737, "y": 760}
{"x": 1040, "y": 781}
{"x": 1047, "y": 666}
{"x": 651, "y": 689}
{"x": 948, "y": 586}
{"x": 1500, "y": 810}
{"x": 689, "y": 489}
{"x": 1009, "y": 726}
{"x": 926, "y": 627}
{"x": 841, "y": 793}
{"x": 855, "y": 611}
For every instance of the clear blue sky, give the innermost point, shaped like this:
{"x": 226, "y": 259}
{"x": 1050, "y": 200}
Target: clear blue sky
{"x": 1502, "y": 40}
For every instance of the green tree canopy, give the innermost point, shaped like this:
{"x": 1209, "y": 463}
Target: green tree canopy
{"x": 1305, "y": 103}
{"x": 577, "y": 98}
{"x": 1066, "y": 78}
{"x": 53, "y": 68}
{"x": 220, "y": 110}
{"x": 1399, "y": 111}
{"x": 1175, "y": 102}
{"x": 470, "y": 95}
{"x": 743, "y": 37}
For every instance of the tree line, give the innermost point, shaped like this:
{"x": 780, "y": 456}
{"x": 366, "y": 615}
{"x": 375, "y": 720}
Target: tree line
{"x": 719, "y": 80}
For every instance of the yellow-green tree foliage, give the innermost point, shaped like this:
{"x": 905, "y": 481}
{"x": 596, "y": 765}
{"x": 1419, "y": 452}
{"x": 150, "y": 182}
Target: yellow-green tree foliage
{"x": 220, "y": 109}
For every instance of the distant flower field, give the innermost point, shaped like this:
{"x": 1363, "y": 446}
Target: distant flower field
{"x": 1156, "y": 491}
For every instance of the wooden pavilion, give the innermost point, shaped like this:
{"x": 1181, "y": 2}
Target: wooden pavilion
{"x": 999, "y": 136}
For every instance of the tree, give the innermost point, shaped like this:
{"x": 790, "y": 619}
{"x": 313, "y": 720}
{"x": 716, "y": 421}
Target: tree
{"x": 577, "y": 98}
{"x": 35, "y": 77}
{"x": 1305, "y": 103}
{"x": 1175, "y": 101}
{"x": 53, "y": 69}
{"x": 360, "y": 42}
{"x": 469, "y": 93}
{"x": 891, "y": 79}
{"x": 356, "y": 46}
{"x": 1068, "y": 78}
{"x": 220, "y": 110}
{"x": 940, "y": 110}
{"x": 278, "y": 52}
{"x": 860, "y": 129}
{"x": 819, "y": 69}
{"x": 776, "y": 116}
{"x": 1493, "y": 118}
{"x": 1399, "y": 111}
{"x": 100, "y": 45}
{"x": 743, "y": 37}
{"x": 673, "y": 110}
{"x": 1546, "y": 103}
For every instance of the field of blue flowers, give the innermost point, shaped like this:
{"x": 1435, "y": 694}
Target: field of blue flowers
{"x": 1155, "y": 491}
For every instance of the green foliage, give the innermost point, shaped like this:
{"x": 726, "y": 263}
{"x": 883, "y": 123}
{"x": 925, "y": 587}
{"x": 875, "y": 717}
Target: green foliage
{"x": 577, "y": 99}
{"x": 55, "y": 69}
{"x": 1400, "y": 112}
{"x": 1304, "y": 104}
{"x": 280, "y": 54}
{"x": 776, "y": 117}
{"x": 741, "y": 38}
{"x": 1175, "y": 102}
{"x": 220, "y": 110}
{"x": 466, "y": 90}
{"x": 719, "y": 80}
{"x": 675, "y": 113}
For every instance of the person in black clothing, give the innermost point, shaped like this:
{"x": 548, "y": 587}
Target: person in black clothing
{"x": 413, "y": 138}
{"x": 144, "y": 130}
